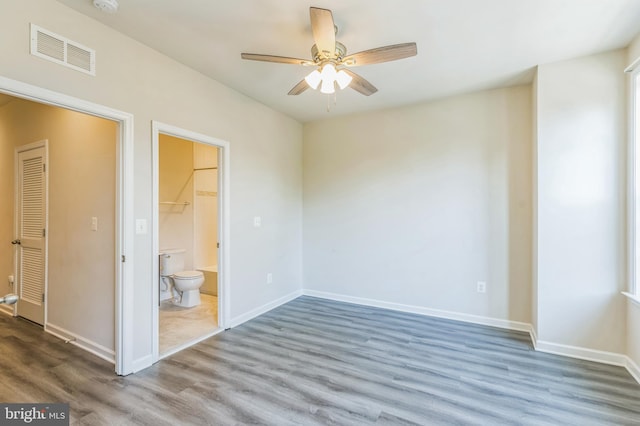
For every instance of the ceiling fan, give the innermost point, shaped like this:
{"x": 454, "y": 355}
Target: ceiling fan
{"x": 331, "y": 60}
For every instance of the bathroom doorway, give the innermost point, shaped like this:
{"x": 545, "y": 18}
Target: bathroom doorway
{"x": 188, "y": 238}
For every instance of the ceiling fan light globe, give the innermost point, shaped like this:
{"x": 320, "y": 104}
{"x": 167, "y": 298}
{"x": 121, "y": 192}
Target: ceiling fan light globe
{"x": 314, "y": 79}
{"x": 328, "y": 87}
{"x": 329, "y": 72}
{"x": 343, "y": 79}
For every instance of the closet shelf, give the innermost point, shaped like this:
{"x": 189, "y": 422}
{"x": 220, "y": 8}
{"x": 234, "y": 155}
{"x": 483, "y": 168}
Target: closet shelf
{"x": 172, "y": 203}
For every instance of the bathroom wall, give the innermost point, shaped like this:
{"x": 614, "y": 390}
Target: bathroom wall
{"x": 193, "y": 226}
{"x": 82, "y": 156}
{"x": 175, "y": 175}
{"x": 205, "y": 214}
{"x": 205, "y": 252}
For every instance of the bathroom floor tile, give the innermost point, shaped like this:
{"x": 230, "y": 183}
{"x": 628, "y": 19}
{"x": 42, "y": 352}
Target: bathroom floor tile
{"x": 180, "y": 325}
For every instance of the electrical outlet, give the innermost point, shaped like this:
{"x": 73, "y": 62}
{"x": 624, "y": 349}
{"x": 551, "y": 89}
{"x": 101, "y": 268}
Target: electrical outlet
{"x": 482, "y": 287}
{"x": 269, "y": 278}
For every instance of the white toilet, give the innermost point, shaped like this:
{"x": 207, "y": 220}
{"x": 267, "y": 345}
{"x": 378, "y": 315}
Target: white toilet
{"x": 183, "y": 286}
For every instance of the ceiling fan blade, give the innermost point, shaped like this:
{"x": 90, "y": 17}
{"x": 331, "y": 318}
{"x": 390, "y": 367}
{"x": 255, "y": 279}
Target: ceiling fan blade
{"x": 276, "y": 59}
{"x": 324, "y": 32}
{"x": 299, "y": 88}
{"x": 359, "y": 84}
{"x": 381, "y": 54}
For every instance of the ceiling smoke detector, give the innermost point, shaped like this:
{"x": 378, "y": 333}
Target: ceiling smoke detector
{"x": 107, "y": 6}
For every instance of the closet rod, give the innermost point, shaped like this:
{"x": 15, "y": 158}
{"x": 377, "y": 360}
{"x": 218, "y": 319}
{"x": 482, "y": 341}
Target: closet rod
{"x": 205, "y": 168}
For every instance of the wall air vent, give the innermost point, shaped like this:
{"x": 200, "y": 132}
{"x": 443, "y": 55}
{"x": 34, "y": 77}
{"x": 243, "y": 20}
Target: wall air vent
{"x": 61, "y": 50}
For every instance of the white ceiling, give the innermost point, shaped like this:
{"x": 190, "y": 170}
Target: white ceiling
{"x": 463, "y": 45}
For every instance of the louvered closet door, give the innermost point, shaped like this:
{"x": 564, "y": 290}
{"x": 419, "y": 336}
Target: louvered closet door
{"x": 31, "y": 210}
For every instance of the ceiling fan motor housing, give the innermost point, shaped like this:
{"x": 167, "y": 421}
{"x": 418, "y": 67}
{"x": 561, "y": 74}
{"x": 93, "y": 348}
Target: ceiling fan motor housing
{"x": 340, "y": 52}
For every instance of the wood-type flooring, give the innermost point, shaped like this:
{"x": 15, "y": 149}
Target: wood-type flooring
{"x": 319, "y": 362}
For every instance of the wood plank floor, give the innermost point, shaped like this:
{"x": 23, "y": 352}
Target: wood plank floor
{"x": 318, "y": 362}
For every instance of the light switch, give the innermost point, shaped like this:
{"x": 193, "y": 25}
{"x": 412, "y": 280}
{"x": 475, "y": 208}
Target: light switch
{"x": 141, "y": 226}
{"x": 257, "y": 221}
{"x": 94, "y": 223}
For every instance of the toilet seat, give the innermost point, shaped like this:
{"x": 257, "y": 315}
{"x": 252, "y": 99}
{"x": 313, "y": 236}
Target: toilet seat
{"x": 188, "y": 274}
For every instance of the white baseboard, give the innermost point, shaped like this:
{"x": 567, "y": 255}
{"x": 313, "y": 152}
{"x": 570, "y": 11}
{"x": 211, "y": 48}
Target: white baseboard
{"x": 581, "y": 353}
{"x": 234, "y": 322}
{"x": 534, "y": 337}
{"x": 542, "y": 346}
{"x": 79, "y": 341}
{"x": 603, "y": 357}
{"x": 632, "y": 368}
{"x": 142, "y": 363}
{"x": 475, "y": 319}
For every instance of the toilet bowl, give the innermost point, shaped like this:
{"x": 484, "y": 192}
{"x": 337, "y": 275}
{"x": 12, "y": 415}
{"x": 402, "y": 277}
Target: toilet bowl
{"x": 175, "y": 283}
{"x": 187, "y": 284}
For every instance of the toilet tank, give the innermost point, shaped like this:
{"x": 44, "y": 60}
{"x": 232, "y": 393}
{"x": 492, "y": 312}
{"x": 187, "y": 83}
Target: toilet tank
{"x": 171, "y": 261}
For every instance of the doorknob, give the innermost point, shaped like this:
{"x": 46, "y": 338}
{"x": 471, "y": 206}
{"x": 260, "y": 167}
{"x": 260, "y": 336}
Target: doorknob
{"x": 14, "y": 242}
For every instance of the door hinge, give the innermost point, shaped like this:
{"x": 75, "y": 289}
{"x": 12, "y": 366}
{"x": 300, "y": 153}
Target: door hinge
{"x": 42, "y": 297}
{"x": 218, "y": 245}
{"x": 44, "y": 167}
{"x": 44, "y": 232}
{"x": 124, "y": 259}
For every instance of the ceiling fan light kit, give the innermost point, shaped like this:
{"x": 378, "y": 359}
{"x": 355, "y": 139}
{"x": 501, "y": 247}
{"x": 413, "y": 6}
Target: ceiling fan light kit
{"x": 331, "y": 60}
{"x": 328, "y": 78}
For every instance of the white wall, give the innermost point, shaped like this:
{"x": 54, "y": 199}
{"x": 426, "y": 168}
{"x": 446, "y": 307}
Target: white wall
{"x": 633, "y": 51}
{"x": 415, "y": 205}
{"x": 581, "y": 132}
{"x": 265, "y": 147}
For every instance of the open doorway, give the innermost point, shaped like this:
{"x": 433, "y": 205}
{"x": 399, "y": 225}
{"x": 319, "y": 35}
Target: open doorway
{"x": 61, "y": 186}
{"x": 74, "y": 254}
{"x": 189, "y": 238}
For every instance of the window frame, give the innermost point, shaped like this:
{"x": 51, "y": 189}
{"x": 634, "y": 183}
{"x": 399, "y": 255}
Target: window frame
{"x": 633, "y": 290}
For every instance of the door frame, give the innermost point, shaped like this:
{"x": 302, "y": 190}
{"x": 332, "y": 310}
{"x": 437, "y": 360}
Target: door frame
{"x": 17, "y": 287}
{"x": 124, "y": 238}
{"x": 224, "y": 229}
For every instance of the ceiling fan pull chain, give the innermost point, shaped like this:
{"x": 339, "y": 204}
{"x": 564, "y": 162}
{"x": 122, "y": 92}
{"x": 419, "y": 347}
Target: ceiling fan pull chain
{"x": 328, "y": 103}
